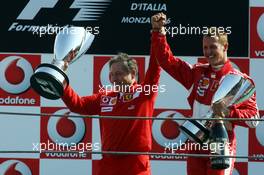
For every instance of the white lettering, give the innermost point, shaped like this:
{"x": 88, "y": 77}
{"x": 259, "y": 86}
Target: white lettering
{"x": 45, "y": 30}
{"x": 135, "y": 20}
{"x": 17, "y": 100}
{"x": 19, "y": 28}
{"x": 70, "y": 155}
{"x": 97, "y": 146}
{"x": 167, "y": 157}
{"x": 35, "y": 146}
{"x": 13, "y": 26}
{"x": 258, "y": 156}
{"x": 148, "y": 7}
{"x": 162, "y": 88}
{"x": 259, "y": 53}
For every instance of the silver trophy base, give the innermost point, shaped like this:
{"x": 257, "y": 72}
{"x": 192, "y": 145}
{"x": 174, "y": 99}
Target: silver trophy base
{"x": 220, "y": 163}
{"x": 195, "y": 131}
{"x": 49, "y": 81}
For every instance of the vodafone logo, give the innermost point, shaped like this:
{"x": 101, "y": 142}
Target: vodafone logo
{"x": 166, "y": 131}
{"x": 259, "y": 133}
{"x": 66, "y": 129}
{"x": 15, "y": 73}
{"x": 104, "y": 75}
{"x": 14, "y": 167}
{"x": 257, "y": 32}
{"x": 260, "y": 27}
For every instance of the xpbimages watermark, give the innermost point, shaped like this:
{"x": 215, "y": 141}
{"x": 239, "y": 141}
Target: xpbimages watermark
{"x": 171, "y": 147}
{"x": 75, "y": 147}
{"x": 180, "y": 29}
{"x": 146, "y": 89}
{"x": 49, "y": 29}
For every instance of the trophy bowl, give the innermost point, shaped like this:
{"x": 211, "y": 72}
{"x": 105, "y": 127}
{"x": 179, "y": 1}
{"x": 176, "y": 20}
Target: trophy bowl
{"x": 49, "y": 79}
{"x": 233, "y": 89}
{"x": 196, "y": 130}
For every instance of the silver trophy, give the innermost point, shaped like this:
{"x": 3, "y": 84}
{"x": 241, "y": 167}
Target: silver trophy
{"x": 233, "y": 89}
{"x": 50, "y": 80}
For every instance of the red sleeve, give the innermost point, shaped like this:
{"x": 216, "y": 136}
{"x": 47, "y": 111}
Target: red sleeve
{"x": 247, "y": 109}
{"x": 178, "y": 69}
{"x": 88, "y": 105}
{"x": 153, "y": 73}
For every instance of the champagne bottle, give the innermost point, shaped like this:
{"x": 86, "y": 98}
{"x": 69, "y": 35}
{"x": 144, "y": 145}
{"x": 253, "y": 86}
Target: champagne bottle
{"x": 219, "y": 145}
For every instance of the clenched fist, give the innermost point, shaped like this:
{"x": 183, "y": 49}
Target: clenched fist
{"x": 158, "y": 21}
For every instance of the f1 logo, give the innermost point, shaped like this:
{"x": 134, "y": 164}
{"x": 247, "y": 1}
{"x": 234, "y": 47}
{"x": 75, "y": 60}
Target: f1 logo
{"x": 33, "y": 7}
{"x": 89, "y": 9}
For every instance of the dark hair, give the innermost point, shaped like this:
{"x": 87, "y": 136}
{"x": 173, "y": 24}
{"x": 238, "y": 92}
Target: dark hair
{"x": 129, "y": 63}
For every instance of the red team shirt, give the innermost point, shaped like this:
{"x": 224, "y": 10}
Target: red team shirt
{"x": 122, "y": 135}
{"x": 202, "y": 82}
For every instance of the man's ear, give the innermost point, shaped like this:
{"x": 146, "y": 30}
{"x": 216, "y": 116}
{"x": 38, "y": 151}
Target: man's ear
{"x": 134, "y": 75}
{"x": 225, "y": 47}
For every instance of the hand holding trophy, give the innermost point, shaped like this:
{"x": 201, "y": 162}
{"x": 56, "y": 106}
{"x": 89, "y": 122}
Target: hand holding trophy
{"x": 50, "y": 80}
{"x": 233, "y": 89}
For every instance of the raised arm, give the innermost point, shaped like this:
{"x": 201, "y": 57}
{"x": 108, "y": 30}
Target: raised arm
{"x": 153, "y": 73}
{"x": 178, "y": 69}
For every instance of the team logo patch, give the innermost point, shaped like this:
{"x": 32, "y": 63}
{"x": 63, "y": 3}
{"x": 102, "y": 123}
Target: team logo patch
{"x": 203, "y": 85}
{"x": 128, "y": 97}
{"x": 108, "y": 101}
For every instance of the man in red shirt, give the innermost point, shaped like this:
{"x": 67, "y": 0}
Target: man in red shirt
{"x": 202, "y": 80}
{"x": 127, "y": 99}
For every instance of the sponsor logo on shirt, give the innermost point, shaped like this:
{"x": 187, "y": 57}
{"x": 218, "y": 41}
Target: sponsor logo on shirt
{"x": 203, "y": 85}
{"x": 107, "y": 109}
{"x": 131, "y": 107}
{"x": 127, "y": 97}
{"x": 108, "y": 101}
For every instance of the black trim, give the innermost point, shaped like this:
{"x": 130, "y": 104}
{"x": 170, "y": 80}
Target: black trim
{"x": 56, "y": 68}
{"x": 191, "y": 134}
{"x": 45, "y": 76}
